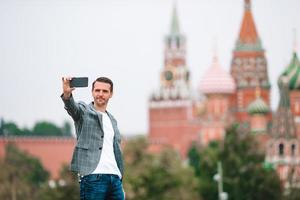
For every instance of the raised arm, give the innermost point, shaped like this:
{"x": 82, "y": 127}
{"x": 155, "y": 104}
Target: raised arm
{"x": 70, "y": 105}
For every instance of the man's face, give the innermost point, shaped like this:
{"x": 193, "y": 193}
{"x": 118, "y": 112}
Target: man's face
{"x": 101, "y": 93}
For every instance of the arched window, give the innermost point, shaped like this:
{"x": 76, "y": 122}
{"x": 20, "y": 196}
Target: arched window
{"x": 281, "y": 149}
{"x": 293, "y": 149}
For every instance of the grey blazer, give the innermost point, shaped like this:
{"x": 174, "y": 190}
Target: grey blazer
{"x": 89, "y": 132}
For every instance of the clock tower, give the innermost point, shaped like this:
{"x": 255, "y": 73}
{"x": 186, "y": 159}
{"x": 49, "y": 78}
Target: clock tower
{"x": 175, "y": 75}
{"x": 171, "y": 108}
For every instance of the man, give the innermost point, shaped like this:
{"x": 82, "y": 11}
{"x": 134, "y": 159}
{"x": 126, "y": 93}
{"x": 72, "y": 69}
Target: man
{"x": 97, "y": 156}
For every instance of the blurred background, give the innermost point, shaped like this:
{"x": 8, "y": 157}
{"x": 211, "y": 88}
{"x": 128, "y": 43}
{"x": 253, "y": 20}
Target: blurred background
{"x": 195, "y": 85}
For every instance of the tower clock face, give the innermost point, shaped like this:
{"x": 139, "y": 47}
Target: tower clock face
{"x": 168, "y": 75}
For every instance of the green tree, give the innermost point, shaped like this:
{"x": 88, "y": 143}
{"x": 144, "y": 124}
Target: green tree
{"x": 66, "y": 188}
{"x": 244, "y": 175}
{"x": 21, "y": 175}
{"x": 294, "y": 194}
{"x": 1, "y": 126}
{"x": 10, "y": 129}
{"x": 204, "y": 161}
{"x": 42, "y": 128}
{"x": 152, "y": 177}
{"x": 66, "y": 129}
{"x": 194, "y": 158}
{"x": 46, "y": 129}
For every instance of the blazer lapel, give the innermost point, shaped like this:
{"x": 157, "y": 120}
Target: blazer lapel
{"x": 113, "y": 122}
{"x": 91, "y": 105}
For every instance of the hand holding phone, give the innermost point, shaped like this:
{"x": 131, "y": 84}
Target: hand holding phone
{"x": 69, "y": 84}
{"x": 79, "y": 82}
{"x": 67, "y": 90}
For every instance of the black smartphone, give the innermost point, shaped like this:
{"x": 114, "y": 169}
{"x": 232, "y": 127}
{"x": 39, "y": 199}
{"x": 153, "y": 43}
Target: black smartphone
{"x": 79, "y": 82}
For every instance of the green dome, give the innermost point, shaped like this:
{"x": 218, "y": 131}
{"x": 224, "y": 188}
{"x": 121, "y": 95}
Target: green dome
{"x": 292, "y": 72}
{"x": 258, "y": 107}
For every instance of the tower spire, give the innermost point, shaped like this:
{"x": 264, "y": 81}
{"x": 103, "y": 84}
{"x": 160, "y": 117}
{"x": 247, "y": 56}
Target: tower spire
{"x": 247, "y": 4}
{"x": 295, "y": 48}
{"x": 215, "y": 50}
{"x": 175, "y": 30}
{"x": 248, "y": 33}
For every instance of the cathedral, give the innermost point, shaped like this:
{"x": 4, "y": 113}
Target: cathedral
{"x": 177, "y": 117}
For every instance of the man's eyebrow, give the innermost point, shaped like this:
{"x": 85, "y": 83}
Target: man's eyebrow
{"x": 102, "y": 89}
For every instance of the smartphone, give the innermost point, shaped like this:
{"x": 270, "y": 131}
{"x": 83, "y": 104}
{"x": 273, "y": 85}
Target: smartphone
{"x": 79, "y": 82}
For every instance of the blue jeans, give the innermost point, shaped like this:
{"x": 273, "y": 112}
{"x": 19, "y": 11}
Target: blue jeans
{"x": 101, "y": 187}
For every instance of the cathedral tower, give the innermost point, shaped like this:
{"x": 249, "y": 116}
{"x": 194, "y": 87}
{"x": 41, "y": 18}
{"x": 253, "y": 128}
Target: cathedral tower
{"x": 249, "y": 68}
{"x": 283, "y": 146}
{"x": 292, "y": 72}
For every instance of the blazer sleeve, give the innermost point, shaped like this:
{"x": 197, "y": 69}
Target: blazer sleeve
{"x": 72, "y": 107}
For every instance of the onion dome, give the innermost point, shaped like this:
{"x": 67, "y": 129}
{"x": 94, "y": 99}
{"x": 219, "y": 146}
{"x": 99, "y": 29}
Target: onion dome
{"x": 292, "y": 72}
{"x": 258, "y": 106}
{"x": 217, "y": 80}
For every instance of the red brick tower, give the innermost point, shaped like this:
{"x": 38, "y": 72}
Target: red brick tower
{"x": 249, "y": 67}
{"x": 171, "y": 106}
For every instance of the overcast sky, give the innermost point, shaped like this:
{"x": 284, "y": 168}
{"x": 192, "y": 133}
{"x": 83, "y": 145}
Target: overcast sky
{"x": 43, "y": 40}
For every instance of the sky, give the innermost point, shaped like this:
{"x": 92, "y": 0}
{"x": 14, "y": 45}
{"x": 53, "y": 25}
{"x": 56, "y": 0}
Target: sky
{"x": 44, "y": 40}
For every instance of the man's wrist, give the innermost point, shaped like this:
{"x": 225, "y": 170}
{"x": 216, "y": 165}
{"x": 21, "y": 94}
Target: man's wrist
{"x": 67, "y": 96}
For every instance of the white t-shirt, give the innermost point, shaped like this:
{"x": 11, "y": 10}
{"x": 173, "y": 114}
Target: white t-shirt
{"x": 107, "y": 163}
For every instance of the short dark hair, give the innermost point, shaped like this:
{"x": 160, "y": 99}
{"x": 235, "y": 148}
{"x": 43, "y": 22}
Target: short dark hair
{"x": 104, "y": 80}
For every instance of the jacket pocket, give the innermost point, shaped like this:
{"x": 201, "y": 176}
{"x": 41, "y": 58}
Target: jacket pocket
{"x": 80, "y": 158}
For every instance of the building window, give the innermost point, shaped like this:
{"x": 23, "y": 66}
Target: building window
{"x": 281, "y": 149}
{"x": 293, "y": 149}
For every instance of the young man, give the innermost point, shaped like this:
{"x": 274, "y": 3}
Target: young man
{"x": 97, "y": 156}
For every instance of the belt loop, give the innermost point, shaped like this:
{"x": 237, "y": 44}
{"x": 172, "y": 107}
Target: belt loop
{"x": 79, "y": 177}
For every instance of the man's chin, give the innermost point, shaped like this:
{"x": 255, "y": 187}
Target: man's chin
{"x": 100, "y": 103}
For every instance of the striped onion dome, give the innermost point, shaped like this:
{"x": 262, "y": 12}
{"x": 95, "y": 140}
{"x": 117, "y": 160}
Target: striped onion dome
{"x": 258, "y": 106}
{"x": 292, "y": 72}
{"x": 217, "y": 80}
